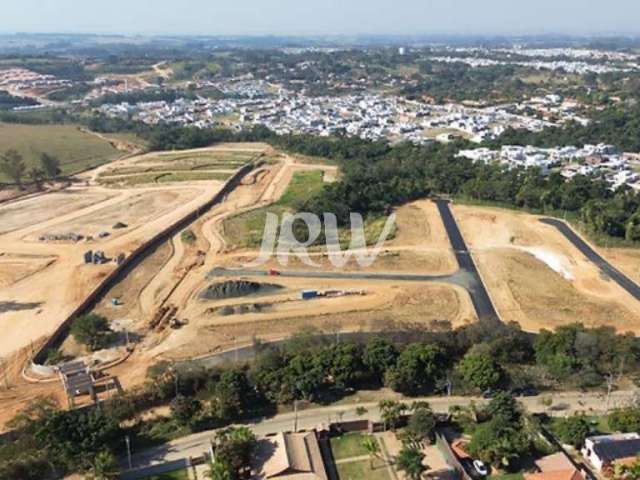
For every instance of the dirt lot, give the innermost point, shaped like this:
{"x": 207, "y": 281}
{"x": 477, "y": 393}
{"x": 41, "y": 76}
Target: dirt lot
{"x": 133, "y": 211}
{"x": 624, "y": 259}
{"x": 16, "y": 268}
{"x": 38, "y": 209}
{"x": 383, "y": 306}
{"x": 536, "y": 277}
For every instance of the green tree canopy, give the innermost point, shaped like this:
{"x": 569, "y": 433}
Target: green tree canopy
{"x": 479, "y": 370}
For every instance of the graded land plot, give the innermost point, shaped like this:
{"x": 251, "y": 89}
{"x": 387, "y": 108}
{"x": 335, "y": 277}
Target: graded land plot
{"x": 127, "y": 292}
{"x": 133, "y": 212}
{"x": 199, "y": 157}
{"x": 76, "y": 150}
{"x": 369, "y": 306}
{"x": 174, "y": 167}
{"x": 537, "y": 278}
{"x": 246, "y": 230}
{"x": 418, "y": 242}
{"x": 626, "y": 260}
{"x": 15, "y": 268}
{"x": 163, "y": 177}
{"x": 31, "y": 211}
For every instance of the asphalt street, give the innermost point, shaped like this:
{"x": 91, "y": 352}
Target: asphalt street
{"x": 604, "y": 266}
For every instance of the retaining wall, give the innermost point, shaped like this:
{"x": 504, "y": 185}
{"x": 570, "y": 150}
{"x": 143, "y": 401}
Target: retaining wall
{"x": 138, "y": 254}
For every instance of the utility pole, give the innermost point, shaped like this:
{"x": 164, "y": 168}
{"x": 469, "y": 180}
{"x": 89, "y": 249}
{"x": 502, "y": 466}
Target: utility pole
{"x": 609, "y": 388}
{"x": 295, "y": 416}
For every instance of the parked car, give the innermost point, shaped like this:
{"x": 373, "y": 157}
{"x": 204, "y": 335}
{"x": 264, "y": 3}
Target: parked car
{"x": 524, "y": 392}
{"x": 480, "y": 468}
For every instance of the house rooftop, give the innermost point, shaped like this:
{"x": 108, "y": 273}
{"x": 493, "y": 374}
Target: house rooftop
{"x": 292, "y": 456}
{"x": 612, "y": 450}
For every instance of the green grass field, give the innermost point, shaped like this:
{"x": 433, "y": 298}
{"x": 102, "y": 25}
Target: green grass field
{"x": 348, "y": 446}
{"x": 246, "y": 229}
{"x": 225, "y": 157}
{"x": 77, "y": 151}
{"x": 162, "y": 177}
{"x": 177, "y": 475}
{"x": 362, "y": 470}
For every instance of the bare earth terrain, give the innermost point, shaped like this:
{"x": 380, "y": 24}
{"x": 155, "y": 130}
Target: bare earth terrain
{"x": 537, "y": 278}
{"x": 533, "y": 274}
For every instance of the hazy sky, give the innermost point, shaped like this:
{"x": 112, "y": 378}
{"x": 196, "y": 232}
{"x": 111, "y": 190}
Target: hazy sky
{"x": 223, "y": 17}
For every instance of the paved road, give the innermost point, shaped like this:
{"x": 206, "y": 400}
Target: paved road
{"x": 478, "y": 292}
{"x": 466, "y": 277}
{"x": 604, "y": 266}
{"x": 197, "y": 444}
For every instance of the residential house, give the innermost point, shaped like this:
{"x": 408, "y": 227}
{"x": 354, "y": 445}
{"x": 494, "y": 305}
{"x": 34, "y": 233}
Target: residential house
{"x": 603, "y": 451}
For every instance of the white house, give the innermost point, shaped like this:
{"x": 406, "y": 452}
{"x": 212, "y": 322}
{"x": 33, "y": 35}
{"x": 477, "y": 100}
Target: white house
{"x": 604, "y": 450}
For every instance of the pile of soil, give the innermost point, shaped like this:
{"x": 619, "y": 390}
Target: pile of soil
{"x": 242, "y": 309}
{"x": 236, "y": 288}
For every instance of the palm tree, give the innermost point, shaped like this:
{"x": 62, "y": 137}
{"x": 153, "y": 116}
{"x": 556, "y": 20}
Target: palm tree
{"x": 218, "y": 471}
{"x": 371, "y": 445}
{"x": 410, "y": 462}
{"x": 391, "y": 412}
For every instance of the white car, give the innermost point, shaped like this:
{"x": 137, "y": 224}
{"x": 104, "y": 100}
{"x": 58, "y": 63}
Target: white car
{"x": 481, "y": 468}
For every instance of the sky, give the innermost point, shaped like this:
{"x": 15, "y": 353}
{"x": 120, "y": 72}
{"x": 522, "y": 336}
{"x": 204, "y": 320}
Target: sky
{"x": 321, "y": 17}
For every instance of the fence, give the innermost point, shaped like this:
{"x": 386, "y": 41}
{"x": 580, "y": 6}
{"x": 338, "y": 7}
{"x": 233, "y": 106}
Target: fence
{"x": 452, "y": 460}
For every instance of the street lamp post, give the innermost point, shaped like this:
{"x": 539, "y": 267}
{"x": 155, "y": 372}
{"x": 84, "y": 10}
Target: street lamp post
{"x": 127, "y": 440}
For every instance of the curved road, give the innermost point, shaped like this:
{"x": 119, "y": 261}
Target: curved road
{"x": 604, "y": 266}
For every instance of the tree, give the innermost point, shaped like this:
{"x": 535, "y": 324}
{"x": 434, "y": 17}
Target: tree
{"x": 36, "y": 176}
{"x": 92, "y": 330}
{"x": 625, "y": 419}
{"x": 499, "y": 442}
{"x": 372, "y": 447}
{"x": 572, "y": 430}
{"x": 341, "y": 364}
{"x": 391, "y": 413}
{"x": 13, "y": 166}
{"x": 104, "y": 467}
{"x": 503, "y": 405}
{"x": 232, "y": 395}
{"x": 421, "y": 424}
{"x": 479, "y": 370}
{"x": 627, "y": 471}
{"x": 185, "y": 409}
{"x": 75, "y": 438}
{"x": 219, "y": 471}
{"x": 379, "y": 356}
{"x": 234, "y": 448}
{"x": 50, "y": 165}
{"x": 410, "y": 460}
{"x": 417, "y": 369}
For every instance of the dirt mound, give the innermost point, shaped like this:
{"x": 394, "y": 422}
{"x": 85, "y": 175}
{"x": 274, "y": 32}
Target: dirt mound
{"x": 236, "y": 288}
{"x": 242, "y": 309}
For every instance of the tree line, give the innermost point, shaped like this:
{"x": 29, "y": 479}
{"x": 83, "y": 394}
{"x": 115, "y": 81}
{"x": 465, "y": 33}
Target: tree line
{"x": 13, "y": 166}
{"x": 316, "y": 368}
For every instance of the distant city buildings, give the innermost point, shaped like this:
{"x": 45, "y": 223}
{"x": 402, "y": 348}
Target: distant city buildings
{"x": 591, "y": 160}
